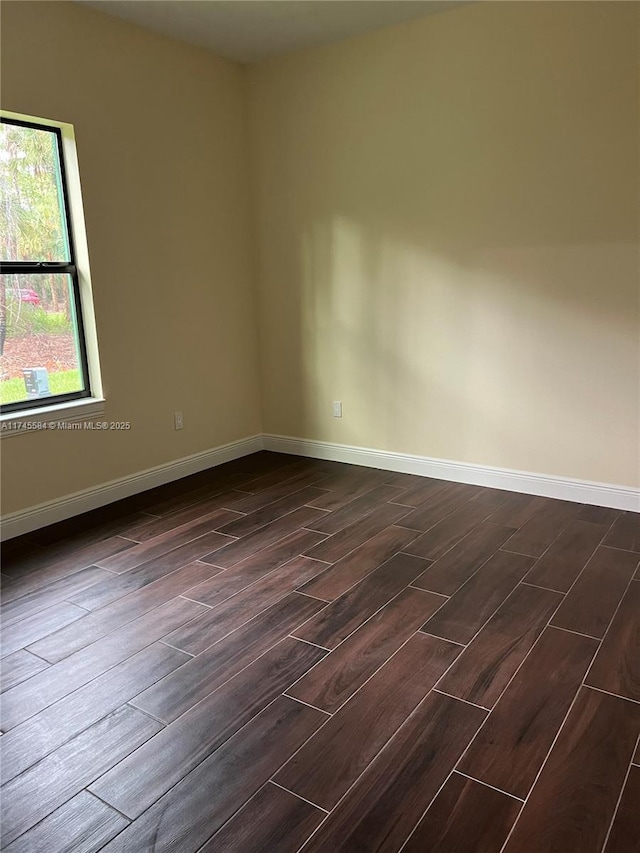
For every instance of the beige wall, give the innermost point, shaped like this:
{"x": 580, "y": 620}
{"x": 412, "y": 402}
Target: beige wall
{"x": 445, "y": 232}
{"x": 161, "y": 136}
{"x": 447, "y": 214}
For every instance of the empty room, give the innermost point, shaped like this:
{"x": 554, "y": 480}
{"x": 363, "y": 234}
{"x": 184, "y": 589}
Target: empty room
{"x": 320, "y": 426}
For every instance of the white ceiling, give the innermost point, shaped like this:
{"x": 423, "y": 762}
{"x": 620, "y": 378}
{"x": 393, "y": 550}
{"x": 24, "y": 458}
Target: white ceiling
{"x": 251, "y": 30}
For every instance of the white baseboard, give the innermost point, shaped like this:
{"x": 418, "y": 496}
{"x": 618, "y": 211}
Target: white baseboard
{"x": 581, "y": 491}
{"x": 43, "y": 514}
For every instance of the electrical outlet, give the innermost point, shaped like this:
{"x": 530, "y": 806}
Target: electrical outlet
{"x": 337, "y": 408}
{"x": 177, "y": 420}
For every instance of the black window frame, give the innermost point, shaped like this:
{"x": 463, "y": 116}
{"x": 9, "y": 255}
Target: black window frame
{"x": 47, "y": 268}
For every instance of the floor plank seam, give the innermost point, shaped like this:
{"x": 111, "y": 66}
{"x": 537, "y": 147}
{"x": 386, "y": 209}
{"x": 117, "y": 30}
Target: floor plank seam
{"x": 308, "y": 642}
{"x": 609, "y": 693}
{"x": 430, "y": 591}
{"x": 626, "y": 550}
{"x": 446, "y": 639}
{"x": 577, "y": 633}
{"x": 539, "y": 586}
{"x": 619, "y": 800}
{"x": 184, "y": 652}
{"x": 487, "y": 785}
{"x": 308, "y": 595}
{"x": 131, "y": 704}
{"x": 541, "y": 768}
{"x": 298, "y": 796}
{"x": 315, "y": 707}
{"x": 195, "y": 601}
{"x": 422, "y": 816}
{"x": 366, "y": 681}
{"x": 108, "y": 805}
{"x": 521, "y": 554}
{"x": 460, "y": 699}
{"x": 611, "y": 621}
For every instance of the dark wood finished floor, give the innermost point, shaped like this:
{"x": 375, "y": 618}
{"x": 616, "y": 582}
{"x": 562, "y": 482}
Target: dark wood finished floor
{"x": 283, "y": 655}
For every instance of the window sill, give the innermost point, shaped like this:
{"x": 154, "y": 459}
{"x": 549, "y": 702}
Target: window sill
{"x": 53, "y": 417}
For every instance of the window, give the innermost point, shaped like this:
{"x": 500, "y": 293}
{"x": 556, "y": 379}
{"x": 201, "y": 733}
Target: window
{"x": 45, "y": 360}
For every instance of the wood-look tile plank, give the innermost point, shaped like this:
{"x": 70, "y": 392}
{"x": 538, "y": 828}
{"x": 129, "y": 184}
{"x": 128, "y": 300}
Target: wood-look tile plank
{"x": 258, "y": 565}
{"x": 181, "y": 690}
{"x": 465, "y": 817}
{"x": 161, "y": 545}
{"x": 103, "y": 621}
{"x": 271, "y": 533}
{"x": 625, "y": 532}
{"x": 340, "y": 544}
{"x": 511, "y": 746}
{"x": 221, "y": 784}
{"x": 598, "y": 515}
{"x": 326, "y": 767}
{"x": 281, "y": 491}
{"x": 462, "y": 616}
{"x": 273, "y": 821}
{"x": 573, "y": 801}
{"x": 447, "y": 574}
{"x": 228, "y": 491}
{"x": 21, "y": 702}
{"x": 59, "y": 559}
{"x": 296, "y": 473}
{"x": 398, "y": 478}
{"x": 485, "y": 668}
{"x": 283, "y": 467}
{"x": 346, "y": 486}
{"x": 58, "y": 562}
{"x": 494, "y": 497}
{"x": 382, "y": 808}
{"x": 359, "y": 563}
{"x": 517, "y": 510}
{"x": 446, "y": 533}
{"x": 18, "y": 550}
{"x": 443, "y": 502}
{"x": 336, "y": 678}
{"x": 592, "y": 601}
{"x": 216, "y": 623}
{"x": 142, "y": 531}
{"x": 60, "y": 590}
{"x": 219, "y": 699}
{"x": 138, "y": 781}
{"x": 262, "y": 462}
{"x": 616, "y": 668}
{"x": 38, "y": 625}
{"x": 31, "y": 741}
{"x": 562, "y": 563}
{"x": 345, "y": 614}
{"x": 543, "y": 528}
{"x": 37, "y": 792}
{"x": 118, "y": 586}
{"x": 625, "y": 832}
{"x": 97, "y": 524}
{"x": 82, "y": 825}
{"x": 419, "y": 491}
{"x": 93, "y": 526}
{"x": 276, "y": 509}
{"x": 20, "y": 666}
{"x": 356, "y": 509}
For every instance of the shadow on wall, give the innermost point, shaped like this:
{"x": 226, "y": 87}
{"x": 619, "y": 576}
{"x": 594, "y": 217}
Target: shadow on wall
{"x": 449, "y": 227}
{"x": 507, "y": 348}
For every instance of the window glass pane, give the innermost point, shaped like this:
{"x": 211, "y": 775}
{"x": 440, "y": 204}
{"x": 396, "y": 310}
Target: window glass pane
{"x": 39, "y": 349}
{"x": 32, "y": 219}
